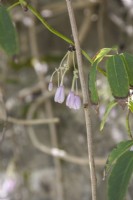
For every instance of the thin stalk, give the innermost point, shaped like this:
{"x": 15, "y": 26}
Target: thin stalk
{"x": 52, "y": 30}
{"x": 13, "y": 5}
{"x": 128, "y": 125}
{"x": 85, "y": 98}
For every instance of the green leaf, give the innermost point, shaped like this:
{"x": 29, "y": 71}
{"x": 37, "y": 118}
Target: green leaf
{"x": 102, "y": 53}
{"x": 8, "y": 36}
{"x": 120, "y": 176}
{"x": 117, "y": 76}
{"x": 128, "y": 60}
{"x": 92, "y": 75}
{"x": 107, "y": 111}
{"x": 92, "y": 84}
{"x": 121, "y": 148}
{"x": 130, "y": 105}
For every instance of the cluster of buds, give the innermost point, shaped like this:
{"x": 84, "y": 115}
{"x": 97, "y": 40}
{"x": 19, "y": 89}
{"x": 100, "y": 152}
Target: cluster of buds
{"x": 73, "y": 100}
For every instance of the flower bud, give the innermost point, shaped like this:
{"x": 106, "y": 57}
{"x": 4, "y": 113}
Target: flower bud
{"x": 60, "y": 94}
{"x": 70, "y": 99}
{"x": 77, "y": 102}
{"x": 50, "y": 86}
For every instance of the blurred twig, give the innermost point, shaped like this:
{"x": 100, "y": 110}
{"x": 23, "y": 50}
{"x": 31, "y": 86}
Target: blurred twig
{"x": 48, "y": 107}
{"x": 60, "y": 7}
{"x": 85, "y": 26}
{"x": 3, "y": 115}
{"x": 33, "y": 121}
{"x": 100, "y": 24}
{"x": 61, "y": 154}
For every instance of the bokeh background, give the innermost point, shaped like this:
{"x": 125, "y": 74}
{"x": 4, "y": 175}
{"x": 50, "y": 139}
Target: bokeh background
{"x": 48, "y": 161}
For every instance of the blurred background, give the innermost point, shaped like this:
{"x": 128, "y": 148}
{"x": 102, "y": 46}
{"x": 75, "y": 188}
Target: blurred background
{"x": 43, "y": 145}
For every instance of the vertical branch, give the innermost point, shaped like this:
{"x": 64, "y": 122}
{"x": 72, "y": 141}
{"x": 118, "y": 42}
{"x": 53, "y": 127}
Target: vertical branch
{"x": 48, "y": 108}
{"x": 85, "y": 98}
{"x": 85, "y": 26}
{"x": 100, "y": 24}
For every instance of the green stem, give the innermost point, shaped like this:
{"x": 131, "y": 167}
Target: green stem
{"x": 102, "y": 71}
{"x": 128, "y": 125}
{"x": 13, "y": 5}
{"x": 52, "y": 30}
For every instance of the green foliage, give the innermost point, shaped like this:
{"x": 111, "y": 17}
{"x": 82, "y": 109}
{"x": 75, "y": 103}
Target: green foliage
{"x": 119, "y": 167}
{"x": 119, "y": 74}
{"x": 121, "y": 148}
{"x": 130, "y": 105}
{"x": 117, "y": 77}
{"x": 102, "y": 53}
{"x": 92, "y": 74}
{"x": 128, "y": 60}
{"x": 107, "y": 111}
{"x": 8, "y": 36}
{"x": 92, "y": 84}
{"x": 120, "y": 176}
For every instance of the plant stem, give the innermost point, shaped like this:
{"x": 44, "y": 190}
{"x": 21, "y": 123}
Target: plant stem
{"x": 52, "y": 30}
{"x": 128, "y": 125}
{"x": 13, "y": 5}
{"x": 85, "y": 98}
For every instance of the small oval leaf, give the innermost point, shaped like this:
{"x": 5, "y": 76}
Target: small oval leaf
{"x": 8, "y": 35}
{"x": 117, "y": 76}
{"x": 128, "y": 60}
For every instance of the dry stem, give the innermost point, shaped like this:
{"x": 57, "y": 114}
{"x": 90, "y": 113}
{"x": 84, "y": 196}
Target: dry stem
{"x": 85, "y": 98}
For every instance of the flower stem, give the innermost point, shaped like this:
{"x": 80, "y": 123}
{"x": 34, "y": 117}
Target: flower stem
{"x": 85, "y": 98}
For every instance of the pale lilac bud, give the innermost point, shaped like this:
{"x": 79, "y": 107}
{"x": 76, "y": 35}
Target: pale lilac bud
{"x": 60, "y": 94}
{"x": 77, "y": 102}
{"x": 50, "y": 86}
{"x": 70, "y": 99}
{"x": 9, "y": 185}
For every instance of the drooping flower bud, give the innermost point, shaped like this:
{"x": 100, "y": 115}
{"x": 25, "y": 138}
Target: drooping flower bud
{"x": 50, "y": 86}
{"x": 60, "y": 94}
{"x": 9, "y": 185}
{"x": 70, "y": 99}
{"x": 77, "y": 102}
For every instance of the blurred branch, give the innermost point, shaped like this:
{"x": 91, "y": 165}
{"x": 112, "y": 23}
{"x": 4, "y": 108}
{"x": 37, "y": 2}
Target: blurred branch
{"x": 4, "y": 115}
{"x": 47, "y": 105}
{"x": 33, "y": 121}
{"x": 85, "y": 26}
{"x": 100, "y": 24}
{"x": 60, "y": 7}
{"x": 55, "y": 152}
